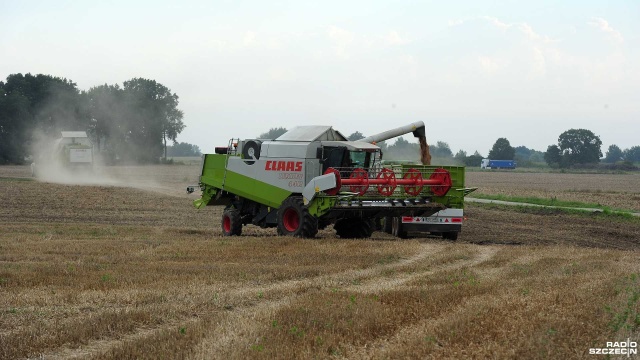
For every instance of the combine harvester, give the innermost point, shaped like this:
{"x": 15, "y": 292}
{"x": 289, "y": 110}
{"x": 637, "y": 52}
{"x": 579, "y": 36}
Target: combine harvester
{"x": 311, "y": 177}
{"x": 72, "y": 151}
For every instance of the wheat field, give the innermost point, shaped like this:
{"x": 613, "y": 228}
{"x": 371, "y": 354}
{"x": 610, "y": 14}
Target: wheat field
{"x": 131, "y": 270}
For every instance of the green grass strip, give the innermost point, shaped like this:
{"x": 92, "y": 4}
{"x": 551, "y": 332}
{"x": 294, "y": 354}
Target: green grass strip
{"x": 15, "y": 179}
{"x": 604, "y": 214}
{"x": 543, "y": 201}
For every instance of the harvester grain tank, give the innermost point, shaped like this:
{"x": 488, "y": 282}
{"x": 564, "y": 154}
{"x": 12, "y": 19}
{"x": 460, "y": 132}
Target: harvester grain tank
{"x": 312, "y": 176}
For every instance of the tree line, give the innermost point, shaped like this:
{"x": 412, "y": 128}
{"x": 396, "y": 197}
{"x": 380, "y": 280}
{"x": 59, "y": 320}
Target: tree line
{"x": 575, "y": 148}
{"x": 129, "y": 123}
{"x": 583, "y": 148}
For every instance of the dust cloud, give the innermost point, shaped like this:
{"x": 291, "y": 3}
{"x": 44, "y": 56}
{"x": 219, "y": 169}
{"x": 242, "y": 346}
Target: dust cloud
{"x": 51, "y": 164}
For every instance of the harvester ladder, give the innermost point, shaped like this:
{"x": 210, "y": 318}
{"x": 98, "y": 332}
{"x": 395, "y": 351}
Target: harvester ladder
{"x": 230, "y": 149}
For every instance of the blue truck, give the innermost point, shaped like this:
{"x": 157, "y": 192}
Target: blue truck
{"x": 497, "y": 164}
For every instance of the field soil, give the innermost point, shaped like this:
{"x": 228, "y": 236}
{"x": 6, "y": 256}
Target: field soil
{"x": 120, "y": 265}
{"x": 619, "y": 191}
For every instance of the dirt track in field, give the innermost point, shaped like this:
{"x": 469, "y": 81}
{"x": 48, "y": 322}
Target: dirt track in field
{"x": 134, "y": 271}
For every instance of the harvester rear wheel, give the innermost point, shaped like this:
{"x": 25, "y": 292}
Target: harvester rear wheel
{"x": 354, "y": 228}
{"x": 231, "y": 222}
{"x": 386, "y": 224}
{"x": 450, "y": 235}
{"x": 396, "y": 228}
{"x": 294, "y": 219}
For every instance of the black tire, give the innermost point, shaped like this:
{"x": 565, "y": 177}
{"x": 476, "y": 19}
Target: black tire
{"x": 450, "y": 235}
{"x": 396, "y": 228}
{"x": 377, "y": 224}
{"x": 354, "y": 228}
{"x": 250, "y": 151}
{"x": 294, "y": 219}
{"x": 231, "y": 222}
{"x": 323, "y": 223}
{"x": 386, "y": 224}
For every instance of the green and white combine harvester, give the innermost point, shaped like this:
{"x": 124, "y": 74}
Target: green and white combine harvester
{"x": 312, "y": 176}
{"x": 72, "y": 151}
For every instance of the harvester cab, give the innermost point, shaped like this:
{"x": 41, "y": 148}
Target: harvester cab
{"x": 312, "y": 176}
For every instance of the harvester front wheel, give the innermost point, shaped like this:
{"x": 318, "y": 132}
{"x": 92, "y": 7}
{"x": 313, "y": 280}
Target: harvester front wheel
{"x": 294, "y": 219}
{"x": 354, "y": 228}
{"x": 231, "y": 222}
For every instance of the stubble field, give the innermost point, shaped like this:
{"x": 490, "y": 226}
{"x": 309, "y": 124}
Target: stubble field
{"x": 125, "y": 267}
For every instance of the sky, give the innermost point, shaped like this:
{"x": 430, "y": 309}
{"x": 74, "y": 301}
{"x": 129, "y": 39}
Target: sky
{"x": 472, "y": 71}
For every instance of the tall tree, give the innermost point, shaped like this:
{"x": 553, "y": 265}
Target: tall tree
{"x": 155, "y": 118}
{"x": 526, "y": 157}
{"x": 37, "y": 102}
{"x": 441, "y": 150}
{"x": 400, "y": 143}
{"x": 355, "y": 136}
{"x": 502, "y": 150}
{"x": 106, "y": 105}
{"x": 460, "y": 155}
{"x": 172, "y": 127}
{"x": 184, "y": 149}
{"x": 62, "y": 108}
{"x": 473, "y": 160}
{"x": 553, "y": 156}
{"x": 522, "y": 152}
{"x": 15, "y": 118}
{"x": 273, "y": 133}
{"x": 614, "y": 153}
{"x": 632, "y": 154}
{"x": 580, "y": 146}
{"x": 401, "y": 150}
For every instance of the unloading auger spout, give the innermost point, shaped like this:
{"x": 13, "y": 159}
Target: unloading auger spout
{"x": 417, "y": 128}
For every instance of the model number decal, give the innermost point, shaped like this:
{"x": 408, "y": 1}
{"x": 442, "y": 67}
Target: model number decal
{"x": 431, "y": 219}
{"x": 289, "y": 176}
{"x": 272, "y": 165}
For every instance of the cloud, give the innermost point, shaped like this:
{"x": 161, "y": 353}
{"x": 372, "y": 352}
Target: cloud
{"x": 527, "y": 30}
{"x": 489, "y": 64}
{"x": 539, "y": 64}
{"x": 497, "y": 23}
{"x": 341, "y": 39}
{"x": 603, "y": 25}
{"x": 408, "y": 59}
{"x": 393, "y": 38}
{"x": 524, "y": 28}
{"x": 249, "y": 38}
